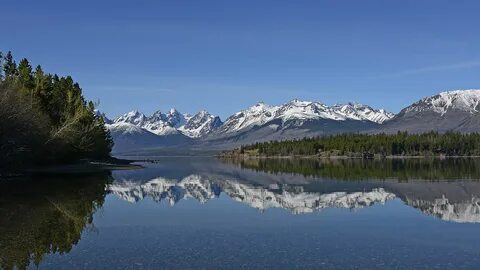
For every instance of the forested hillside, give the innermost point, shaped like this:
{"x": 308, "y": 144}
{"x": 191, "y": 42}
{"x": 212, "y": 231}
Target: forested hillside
{"x": 45, "y": 119}
{"x": 400, "y": 144}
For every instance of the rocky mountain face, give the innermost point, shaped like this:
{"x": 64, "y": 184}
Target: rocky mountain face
{"x": 134, "y": 130}
{"x": 172, "y": 122}
{"x": 448, "y": 111}
{"x": 200, "y": 125}
{"x": 293, "y": 120}
{"x": 129, "y": 137}
{"x": 300, "y": 112}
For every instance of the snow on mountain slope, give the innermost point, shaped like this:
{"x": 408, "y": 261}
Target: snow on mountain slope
{"x": 452, "y": 110}
{"x": 200, "y": 125}
{"x": 261, "y": 113}
{"x": 158, "y": 123}
{"x": 203, "y": 123}
{"x": 303, "y": 110}
{"x": 315, "y": 110}
{"x": 463, "y": 100}
{"x": 134, "y": 117}
{"x": 456, "y": 111}
{"x": 172, "y": 122}
{"x": 256, "y": 115}
{"x": 363, "y": 112}
{"x": 125, "y": 128}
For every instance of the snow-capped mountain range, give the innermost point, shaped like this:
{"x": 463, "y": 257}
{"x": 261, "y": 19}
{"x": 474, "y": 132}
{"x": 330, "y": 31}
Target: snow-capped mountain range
{"x": 203, "y": 123}
{"x": 456, "y": 110}
{"x": 172, "y": 122}
{"x": 261, "y": 113}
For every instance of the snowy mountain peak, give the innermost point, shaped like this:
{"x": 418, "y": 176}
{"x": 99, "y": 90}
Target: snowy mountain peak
{"x": 175, "y": 118}
{"x": 202, "y": 113}
{"x": 300, "y": 110}
{"x": 358, "y": 111}
{"x": 200, "y": 124}
{"x": 102, "y": 115}
{"x": 173, "y": 111}
{"x": 297, "y": 102}
{"x": 133, "y": 117}
{"x": 295, "y": 112}
{"x": 259, "y": 106}
{"x": 158, "y": 123}
{"x": 462, "y": 100}
{"x": 257, "y": 114}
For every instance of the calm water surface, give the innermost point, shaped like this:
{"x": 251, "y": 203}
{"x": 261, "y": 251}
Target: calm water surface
{"x": 201, "y": 213}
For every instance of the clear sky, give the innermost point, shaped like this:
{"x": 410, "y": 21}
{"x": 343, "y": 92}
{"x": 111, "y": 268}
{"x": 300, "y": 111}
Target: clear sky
{"x": 224, "y": 56}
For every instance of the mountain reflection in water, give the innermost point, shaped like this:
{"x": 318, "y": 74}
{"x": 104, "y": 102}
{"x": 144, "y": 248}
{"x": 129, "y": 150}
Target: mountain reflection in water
{"x": 44, "y": 219}
{"x": 277, "y": 183}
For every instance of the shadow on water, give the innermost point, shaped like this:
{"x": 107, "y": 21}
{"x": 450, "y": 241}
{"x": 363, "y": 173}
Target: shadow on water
{"x": 44, "y": 216}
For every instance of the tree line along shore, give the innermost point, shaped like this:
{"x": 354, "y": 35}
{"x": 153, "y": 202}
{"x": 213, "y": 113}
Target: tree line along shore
{"x": 44, "y": 118}
{"x": 401, "y": 144}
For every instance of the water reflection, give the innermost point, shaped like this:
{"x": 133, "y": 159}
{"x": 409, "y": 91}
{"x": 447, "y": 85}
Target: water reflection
{"x": 293, "y": 198}
{"x": 264, "y": 184}
{"x": 364, "y": 169}
{"x": 43, "y": 216}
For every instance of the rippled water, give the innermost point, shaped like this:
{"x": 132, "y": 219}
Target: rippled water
{"x": 201, "y": 213}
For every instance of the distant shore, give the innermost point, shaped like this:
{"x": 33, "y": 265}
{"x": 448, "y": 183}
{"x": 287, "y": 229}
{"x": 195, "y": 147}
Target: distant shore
{"x": 376, "y": 157}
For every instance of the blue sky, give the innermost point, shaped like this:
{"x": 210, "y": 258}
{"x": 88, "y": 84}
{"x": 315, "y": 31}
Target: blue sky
{"x": 224, "y": 56}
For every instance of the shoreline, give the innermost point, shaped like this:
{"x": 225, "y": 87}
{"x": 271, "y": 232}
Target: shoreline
{"x": 76, "y": 168}
{"x": 341, "y": 157}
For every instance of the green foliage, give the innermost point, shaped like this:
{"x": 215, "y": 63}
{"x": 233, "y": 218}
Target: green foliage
{"x": 44, "y": 118}
{"x": 9, "y": 66}
{"x": 356, "y": 145}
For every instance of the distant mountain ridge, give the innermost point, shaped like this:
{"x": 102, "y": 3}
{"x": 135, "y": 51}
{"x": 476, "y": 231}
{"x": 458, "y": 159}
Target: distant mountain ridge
{"x": 265, "y": 121}
{"x": 456, "y": 110}
{"x": 172, "y": 122}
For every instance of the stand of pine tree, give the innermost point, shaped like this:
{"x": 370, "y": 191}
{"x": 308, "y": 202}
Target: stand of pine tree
{"x": 367, "y": 145}
{"x": 44, "y": 118}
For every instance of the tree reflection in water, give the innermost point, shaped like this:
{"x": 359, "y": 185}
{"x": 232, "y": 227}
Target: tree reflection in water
{"x": 361, "y": 169}
{"x": 43, "y": 216}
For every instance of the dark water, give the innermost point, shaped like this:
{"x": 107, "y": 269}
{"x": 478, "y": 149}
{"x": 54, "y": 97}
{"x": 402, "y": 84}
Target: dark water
{"x": 198, "y": 213}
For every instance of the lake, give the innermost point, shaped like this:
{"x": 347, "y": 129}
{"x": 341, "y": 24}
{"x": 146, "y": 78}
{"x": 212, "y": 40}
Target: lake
{"x": 204, "y": 213}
